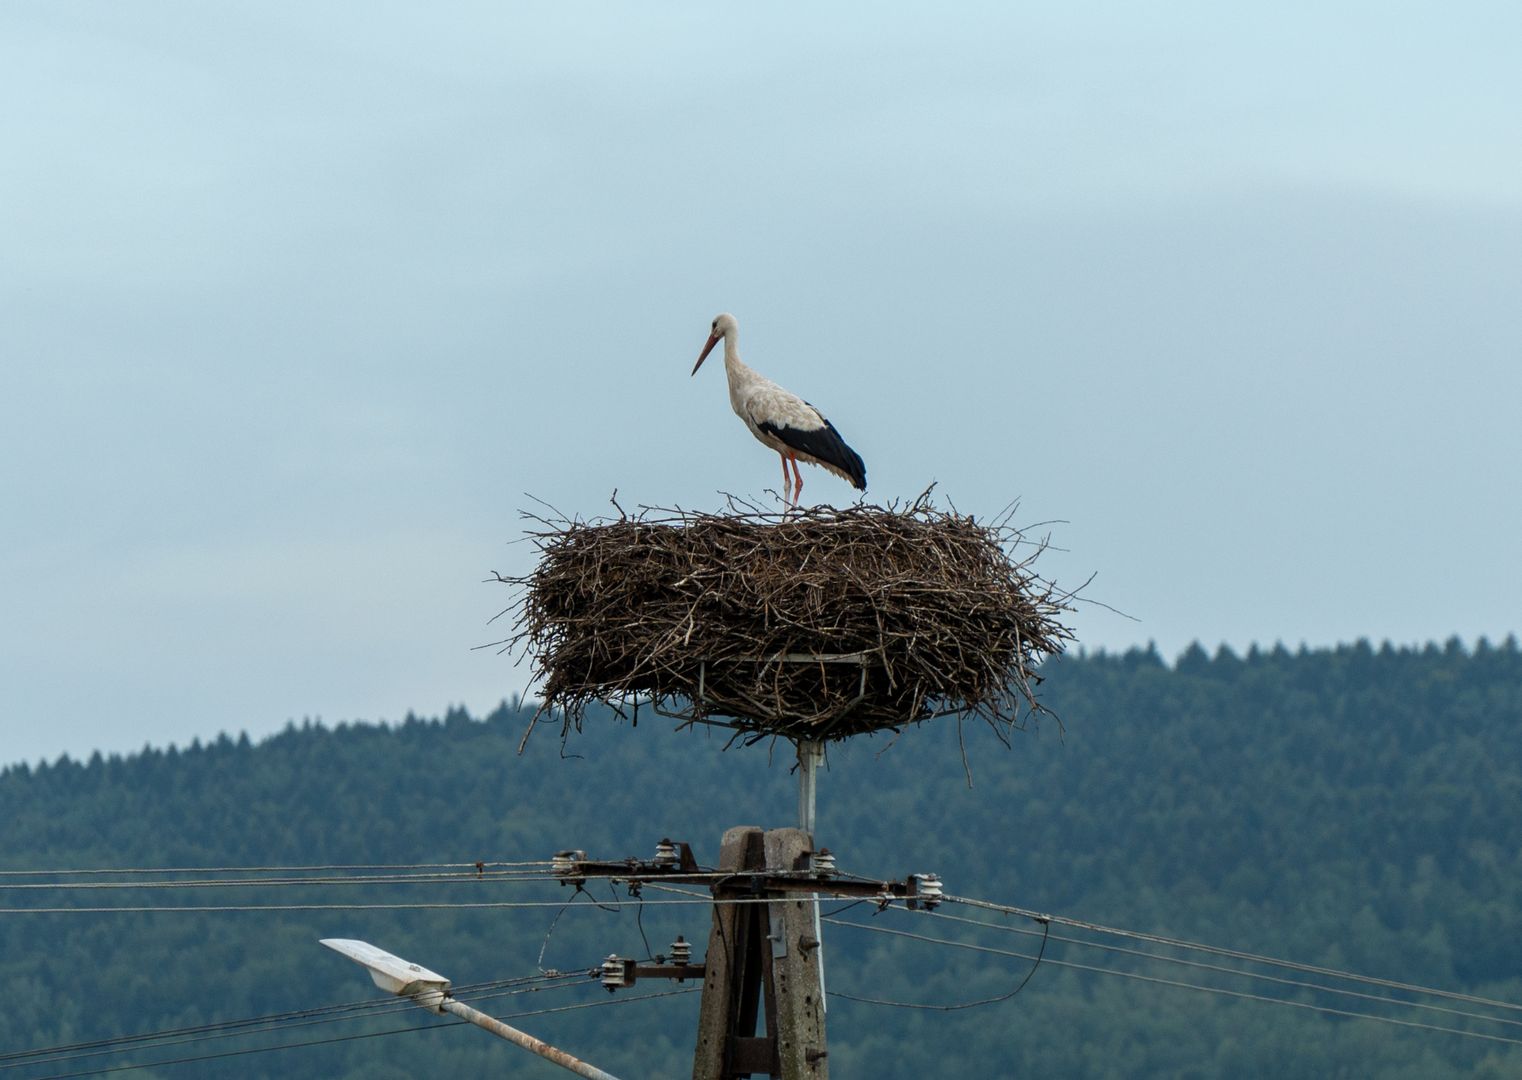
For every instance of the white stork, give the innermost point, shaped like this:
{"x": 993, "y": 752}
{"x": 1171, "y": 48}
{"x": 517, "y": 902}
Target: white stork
{"x": 780, "y": 419}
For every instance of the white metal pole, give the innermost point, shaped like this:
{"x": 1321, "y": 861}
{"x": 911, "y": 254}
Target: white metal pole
{"x": 525, "y": 1040}
{"x": 810, "y": 756}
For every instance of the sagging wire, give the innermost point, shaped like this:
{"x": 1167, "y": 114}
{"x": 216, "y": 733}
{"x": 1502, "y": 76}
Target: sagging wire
{"x": 1299, "y": 984}
{"x": 231, "y": 1029}
{"x": 947, "y": 1008}
{"x": 596, "y": 1003}
{"x": 1156, "y": 980}
{"x": 1237, "y": 954}
{"x": 639, "y": 918}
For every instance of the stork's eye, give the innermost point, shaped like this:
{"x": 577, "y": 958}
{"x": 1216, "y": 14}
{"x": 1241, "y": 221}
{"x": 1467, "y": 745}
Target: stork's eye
{"x": 715, "y": 324}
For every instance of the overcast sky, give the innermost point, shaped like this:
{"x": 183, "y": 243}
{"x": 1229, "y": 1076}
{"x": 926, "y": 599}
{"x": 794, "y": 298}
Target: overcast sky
{"x": 297, "y": 301}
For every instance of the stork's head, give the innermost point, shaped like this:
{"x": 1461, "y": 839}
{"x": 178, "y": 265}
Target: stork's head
{"x": 724, "y": 326}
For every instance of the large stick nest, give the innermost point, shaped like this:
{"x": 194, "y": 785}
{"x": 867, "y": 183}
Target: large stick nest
{"x": 818, "y": 624}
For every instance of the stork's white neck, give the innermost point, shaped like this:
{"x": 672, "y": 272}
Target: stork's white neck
{"x": 741, "y": 379}
{"x": 734, "y": 367}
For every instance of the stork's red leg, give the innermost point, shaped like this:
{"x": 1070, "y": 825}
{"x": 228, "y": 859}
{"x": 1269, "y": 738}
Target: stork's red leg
{"x": 797, "y": 479}
{"x": 787, "y": 482}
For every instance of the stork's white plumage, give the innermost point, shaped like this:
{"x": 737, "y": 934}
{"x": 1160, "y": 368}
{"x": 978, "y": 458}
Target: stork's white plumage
{"x": 780, "y": 419}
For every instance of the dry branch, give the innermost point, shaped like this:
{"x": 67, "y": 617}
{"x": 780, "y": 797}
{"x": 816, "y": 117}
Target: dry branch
{"x": 821, "y": 624}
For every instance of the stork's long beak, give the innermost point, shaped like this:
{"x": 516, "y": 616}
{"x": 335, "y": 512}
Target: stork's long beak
{"x": 713, "y": 339}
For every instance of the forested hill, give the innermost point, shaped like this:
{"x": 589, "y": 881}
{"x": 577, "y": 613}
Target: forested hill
{"x": 1357, "y": 808}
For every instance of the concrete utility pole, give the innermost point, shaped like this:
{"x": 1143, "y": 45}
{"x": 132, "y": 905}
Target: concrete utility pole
{"x": 761, "y": 955}
{"x": 763, "y": 945}
{"x": 764, "y": 954}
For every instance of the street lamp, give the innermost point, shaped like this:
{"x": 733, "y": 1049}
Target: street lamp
{"x": 431, "y": 990}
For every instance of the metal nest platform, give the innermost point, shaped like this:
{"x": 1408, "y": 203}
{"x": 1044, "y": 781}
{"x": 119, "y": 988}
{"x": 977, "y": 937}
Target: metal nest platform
{"x": 816, "y": 624}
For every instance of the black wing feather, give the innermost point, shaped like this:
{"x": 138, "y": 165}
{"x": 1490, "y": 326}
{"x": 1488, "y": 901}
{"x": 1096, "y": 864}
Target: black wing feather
{"x": 825, "y": 444}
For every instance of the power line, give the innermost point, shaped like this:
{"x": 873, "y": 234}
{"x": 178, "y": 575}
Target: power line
{"x": 280, "y": 1021}
{"x": 468, "y": 988}
{"x": 17, "y": 1058}
{"x": 320, "y": 867}
{"x": 419, "y": 906}
{"x": 1046, "y": 920}
{"x": 368, "y": 1035}
{"x": 1180, "y": 943}
{"x": 427, "y": 874}
{"x": 1180, "y": 984}
{"x": 1222, "y": 969}
{"x": 690, "y": 897}
{"x": 947, "y": 1008}
{"x": 463, "y": 877}
{"x": 250, "y": 1050}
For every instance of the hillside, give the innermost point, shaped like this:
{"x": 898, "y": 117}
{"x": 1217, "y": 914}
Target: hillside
{"x": 1354, "y": 808}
